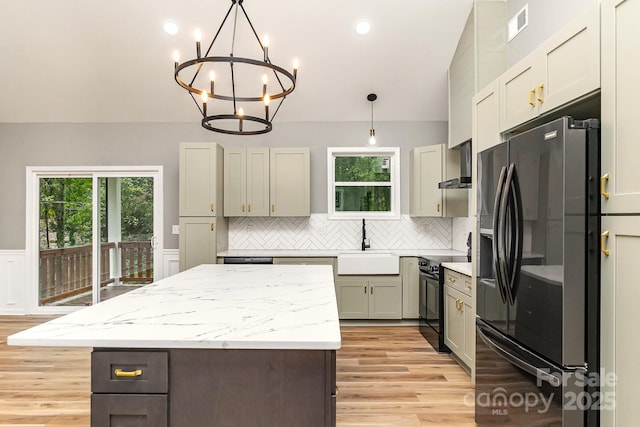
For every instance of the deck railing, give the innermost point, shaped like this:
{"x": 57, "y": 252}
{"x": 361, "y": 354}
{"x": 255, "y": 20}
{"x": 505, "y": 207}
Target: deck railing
{"x": 67, "y": 272}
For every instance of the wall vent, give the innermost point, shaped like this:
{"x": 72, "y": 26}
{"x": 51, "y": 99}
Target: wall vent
{"x": 519, "y": 22}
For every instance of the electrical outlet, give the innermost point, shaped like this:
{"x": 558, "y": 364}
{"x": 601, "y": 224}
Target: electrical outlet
{"x": 175, "y": 229}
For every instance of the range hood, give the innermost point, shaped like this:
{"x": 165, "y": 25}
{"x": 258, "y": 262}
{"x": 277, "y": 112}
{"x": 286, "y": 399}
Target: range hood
{"x": 464, "y": 179}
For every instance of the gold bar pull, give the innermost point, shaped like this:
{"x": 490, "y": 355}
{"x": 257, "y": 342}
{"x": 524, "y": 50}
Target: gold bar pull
{"x": 371, "y": 290}
{"x": 213, "y": 227}
{"x": 121, "y": 373}
{"x": 438, "y": 207}
{"x": 365, "y": 289}
{"x": 212, "y": 207}
{"x": 539, "y": 93}
{"x": 273, "y": 207}
{"x": 531, "y": 101}
{"x": 249, "y": 208}
{"x": 243, "y": 208}
{"x": 603, "y": 183}
{"x": 603, "y": 243}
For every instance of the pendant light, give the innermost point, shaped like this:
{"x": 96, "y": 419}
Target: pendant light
{"x": 372, "y": 132}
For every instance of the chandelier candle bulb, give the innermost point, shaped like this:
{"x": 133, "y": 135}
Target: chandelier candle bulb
{"x": 176, "y": 58}
{"x": 204, "y": 103}
{"x": 296, "y": 64}
{"x": 212, "y": 77}
{"x": 198, "y": 36}
{"x": 265, "y": 46}
{"x": 264, "y": 84}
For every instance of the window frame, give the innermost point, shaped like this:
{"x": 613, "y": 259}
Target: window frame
{"x": 393, "y": 153}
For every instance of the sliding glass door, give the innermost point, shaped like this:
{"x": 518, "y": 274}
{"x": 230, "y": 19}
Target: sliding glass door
{"x": 97, "y": 235}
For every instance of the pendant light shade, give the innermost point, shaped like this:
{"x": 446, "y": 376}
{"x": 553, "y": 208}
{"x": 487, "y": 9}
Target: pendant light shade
{"x": 372, "y": 132}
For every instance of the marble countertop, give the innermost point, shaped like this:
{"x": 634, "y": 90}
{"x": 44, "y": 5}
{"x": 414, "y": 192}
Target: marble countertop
{"x": 460, "y": 267}
{"x": 208, "y": 307}
{"x": 302, "y": 253}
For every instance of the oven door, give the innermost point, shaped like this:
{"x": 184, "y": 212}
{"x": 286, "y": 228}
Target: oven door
{"x": 429, "y": 307}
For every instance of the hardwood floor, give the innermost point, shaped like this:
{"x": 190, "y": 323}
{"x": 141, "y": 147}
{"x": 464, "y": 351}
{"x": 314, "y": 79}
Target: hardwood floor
{"x": 387, "y": 376}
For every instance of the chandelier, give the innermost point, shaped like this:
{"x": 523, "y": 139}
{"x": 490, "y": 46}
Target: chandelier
{"x": 215, "y": 79}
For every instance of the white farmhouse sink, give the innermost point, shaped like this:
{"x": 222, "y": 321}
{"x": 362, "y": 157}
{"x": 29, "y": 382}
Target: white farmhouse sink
{"x": 367, "y": 263}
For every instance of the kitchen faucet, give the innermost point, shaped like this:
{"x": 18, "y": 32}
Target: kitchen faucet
{"x": 365, "y": 242}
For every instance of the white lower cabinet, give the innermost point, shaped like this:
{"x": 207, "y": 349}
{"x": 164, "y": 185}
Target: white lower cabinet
{"x": 410, "y": 287}
{"x": 369, "y": 297}
{"x": 459, "y": 317}
{"x": 200, "y": 239}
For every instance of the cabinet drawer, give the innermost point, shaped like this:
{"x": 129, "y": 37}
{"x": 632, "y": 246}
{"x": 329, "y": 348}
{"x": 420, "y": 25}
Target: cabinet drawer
{"x": 458, "y": 281}
{"x": 128, "y": 410}
{"x": 129, "y": 372}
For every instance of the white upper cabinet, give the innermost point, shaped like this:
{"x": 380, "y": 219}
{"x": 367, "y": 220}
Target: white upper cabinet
{"x": 200, "y": 179}
{"x": 290, "y": 182}
{"x": 564, "y": 68}
{"x": 620, "y": 94}
{"x": 479, "y": 58}
{"x": 246, "y": 182}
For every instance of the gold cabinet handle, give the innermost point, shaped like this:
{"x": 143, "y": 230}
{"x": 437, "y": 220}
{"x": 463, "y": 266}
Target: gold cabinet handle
{"x": 273, "y": 207}
{"x": 461, "y": 306}
{"x": 212, "y": 207}
{"x": 243, "y": 208}
{"x": 371, "y": 291}
{"x": 468, "y": 287}
{"x": 603, "y": 243}
{"x": 451, "y": 279}
{"x": 603, "y": 183}
{"x": 337, "y": 391}
{"x": 213, "y": 227}
{"x": 365, "y": 289}
{"x": 539, "y": 93}
{"x": 249, "y": 208}
{"x": 531, "y": 101}
{"x": 121, "y": 373}
{"x": 438, "y": 207}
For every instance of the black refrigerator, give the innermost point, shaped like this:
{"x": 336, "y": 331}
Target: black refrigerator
{"x": 537, "y": 325}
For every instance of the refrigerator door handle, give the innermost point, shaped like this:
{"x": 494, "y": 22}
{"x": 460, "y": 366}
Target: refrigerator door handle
{"x": 506, "y": 237}
{"x": 515, "y": 360}
{"x": 497, "y": 237}
{"x": 516, "y": 240}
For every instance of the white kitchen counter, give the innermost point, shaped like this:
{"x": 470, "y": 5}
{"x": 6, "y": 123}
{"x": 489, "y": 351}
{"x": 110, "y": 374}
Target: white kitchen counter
{"x": 304, "y": 253}
{"x": 460, "y": 267}
{"x": 208, "y": 307}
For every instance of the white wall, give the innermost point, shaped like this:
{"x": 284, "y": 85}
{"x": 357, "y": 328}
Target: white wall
{"x": 545, "y": 18}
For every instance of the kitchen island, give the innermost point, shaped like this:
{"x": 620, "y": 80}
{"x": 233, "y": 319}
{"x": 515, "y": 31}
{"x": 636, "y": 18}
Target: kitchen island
{"x": 216, "y": 345}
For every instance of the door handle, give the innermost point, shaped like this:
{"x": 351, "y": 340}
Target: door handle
{"x": 603, "y": 183}
{"x": 603, "y": 243}
{"x": 539, "y": 93}
{"x": 531, "y": 101}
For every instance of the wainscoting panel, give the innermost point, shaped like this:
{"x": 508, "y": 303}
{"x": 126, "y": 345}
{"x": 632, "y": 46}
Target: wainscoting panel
{"x": 12, "y": 282}
{"x": 169, "y": 263}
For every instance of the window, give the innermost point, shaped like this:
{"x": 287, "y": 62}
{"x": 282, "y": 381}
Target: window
{"x": 363, "y": 182}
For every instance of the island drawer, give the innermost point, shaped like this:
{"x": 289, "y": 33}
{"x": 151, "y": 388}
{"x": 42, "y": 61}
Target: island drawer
{"x": 129, "y": 371}
{"x": 126, "y": 410}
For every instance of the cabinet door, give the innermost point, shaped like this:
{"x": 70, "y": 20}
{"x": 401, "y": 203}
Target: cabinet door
{"x": 469, "y": 314}
{"x": 462, "y": 85}
{"x": 571, "y": 62}
{"x": 257, "y": 181}
{"x": 486, "y": 119}
{"x": 235, "y": 182}
{"x": 353, "y": 298}
{"x": 385, "y": 298}
{"x": 453, "y": 321}
{"x": 200, "y": 164}
{"x": 518, "y": 92}
{"x": 290, "y": 182}
{"x": 620, "y": 317}
{"x": 620, "y": 95}
{"x": 426, "y": 173}
{"x": 410, "y": 288}
{"x": 197, "y": 241}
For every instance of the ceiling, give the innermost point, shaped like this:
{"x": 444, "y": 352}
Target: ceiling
{"x": 110, "y": 61}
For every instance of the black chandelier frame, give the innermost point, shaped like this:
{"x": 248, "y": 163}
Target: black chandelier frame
{"x": 197, "y": 63}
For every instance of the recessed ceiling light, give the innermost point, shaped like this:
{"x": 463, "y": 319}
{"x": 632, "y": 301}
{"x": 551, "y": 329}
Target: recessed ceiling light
{"x": 170, "y": 27}
{"x": 363, "y": 27}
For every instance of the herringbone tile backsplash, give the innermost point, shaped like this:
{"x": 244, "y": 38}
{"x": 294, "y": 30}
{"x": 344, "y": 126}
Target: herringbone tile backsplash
{"x": 318, "y": 232}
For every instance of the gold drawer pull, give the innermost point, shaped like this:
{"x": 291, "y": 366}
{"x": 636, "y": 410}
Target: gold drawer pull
{"x": 468, "y": 287}
{"x": 121, "y": 373}
{"x": 539, "y": 93}
{"x": 337, "y": 391}
{"x": 603, "y": 183}
{"x": 531, "y": 101}
{"x": 451, "y": 279}
{"x": 603, "y": 243}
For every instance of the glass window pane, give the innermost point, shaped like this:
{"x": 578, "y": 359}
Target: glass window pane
{"x": 363, "y": 199}
{"x": 362, "y": 169}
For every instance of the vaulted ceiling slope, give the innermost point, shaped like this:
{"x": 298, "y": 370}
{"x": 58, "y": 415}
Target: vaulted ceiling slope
{"x": 110, "y": 61}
